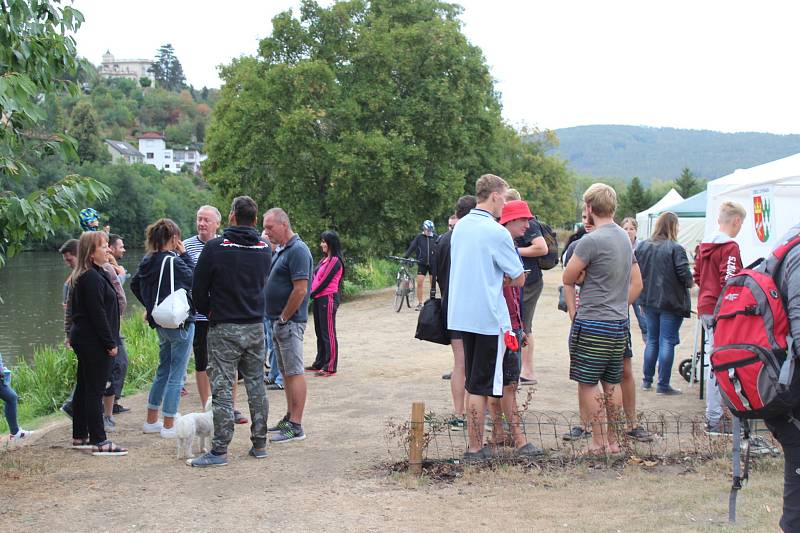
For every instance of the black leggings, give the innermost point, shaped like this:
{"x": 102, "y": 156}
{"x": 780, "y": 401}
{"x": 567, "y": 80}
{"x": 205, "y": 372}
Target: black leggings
{"x": 87, "y": 404}
{"x": 325, "y": 327}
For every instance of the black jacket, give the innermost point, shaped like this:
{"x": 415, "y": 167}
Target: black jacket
{"x": 442, "y": 267}
{"x": 95, "y": 311}
{"x": 666, "y": 276}
{"x": 230, "y": 279}
{"x": 145, "y": 282}
{"x": 423, "y": 245}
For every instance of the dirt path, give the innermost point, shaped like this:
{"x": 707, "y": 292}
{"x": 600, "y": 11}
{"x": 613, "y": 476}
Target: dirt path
{"x": 331, "y": 481}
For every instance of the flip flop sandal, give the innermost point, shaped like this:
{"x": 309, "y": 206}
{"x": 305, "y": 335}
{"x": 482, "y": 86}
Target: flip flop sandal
{"x": 108, "y": 448}
{"x": 81, "y": 444}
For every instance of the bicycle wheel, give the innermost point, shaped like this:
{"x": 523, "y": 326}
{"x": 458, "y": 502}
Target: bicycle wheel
{"x": 399, "y": 293}
{"x": 411, "y": 295}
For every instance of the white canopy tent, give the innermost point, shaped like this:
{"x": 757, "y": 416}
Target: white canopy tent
{"x": 646, "y": 223}
{"x": 691, "y": 221}
{"x": 771, "y": 195}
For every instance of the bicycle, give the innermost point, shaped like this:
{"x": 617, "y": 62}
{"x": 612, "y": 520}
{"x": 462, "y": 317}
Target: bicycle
{"x": 406, "y": 289}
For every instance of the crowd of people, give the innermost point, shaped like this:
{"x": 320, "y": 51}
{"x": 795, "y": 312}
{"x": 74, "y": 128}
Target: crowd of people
{"x": 247, "y": 295}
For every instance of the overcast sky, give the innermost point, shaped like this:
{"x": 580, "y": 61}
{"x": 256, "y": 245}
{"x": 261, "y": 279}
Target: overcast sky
{"x": 702, "y": 64}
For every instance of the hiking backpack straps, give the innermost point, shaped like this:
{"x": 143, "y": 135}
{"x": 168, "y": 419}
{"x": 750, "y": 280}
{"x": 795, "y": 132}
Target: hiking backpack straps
{"x": 753, "y": 359}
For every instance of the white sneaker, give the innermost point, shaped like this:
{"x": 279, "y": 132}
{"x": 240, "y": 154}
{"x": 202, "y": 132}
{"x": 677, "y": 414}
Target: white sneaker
{"x": 155, "y": 427}
{"x": 20, "y": 434}
{"x": 169, "y": 433}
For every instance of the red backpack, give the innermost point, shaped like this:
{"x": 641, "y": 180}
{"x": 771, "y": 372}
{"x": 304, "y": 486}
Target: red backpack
{"x": 753, "y": 358}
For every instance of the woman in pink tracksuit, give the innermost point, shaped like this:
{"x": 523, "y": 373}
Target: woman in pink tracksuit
{"x": 325, "y": 293}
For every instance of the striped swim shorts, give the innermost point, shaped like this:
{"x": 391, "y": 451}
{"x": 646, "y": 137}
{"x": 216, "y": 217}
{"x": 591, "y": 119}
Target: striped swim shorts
{"x": 596, "y": 349}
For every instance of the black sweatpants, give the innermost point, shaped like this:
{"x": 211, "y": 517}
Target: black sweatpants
{"x": 325, "y": 327}
{"x": 87, "y": 404}
{"x": 789, "y": 436}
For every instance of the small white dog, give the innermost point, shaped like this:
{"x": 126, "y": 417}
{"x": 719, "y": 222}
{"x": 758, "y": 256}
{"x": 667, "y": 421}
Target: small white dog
{"x": 200, "y": 425}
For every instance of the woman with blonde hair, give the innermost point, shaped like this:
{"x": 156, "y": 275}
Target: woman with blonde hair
{"x": 163, "y": 244}
{"x": 94, "y": 336}
{"x": 665, "y": 298}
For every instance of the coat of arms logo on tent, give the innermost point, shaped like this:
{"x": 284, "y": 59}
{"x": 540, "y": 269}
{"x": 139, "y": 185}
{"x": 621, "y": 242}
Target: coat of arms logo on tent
{"x": 762, "y": 213}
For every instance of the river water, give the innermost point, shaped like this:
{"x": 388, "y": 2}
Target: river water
{"x": 31, "y": 286}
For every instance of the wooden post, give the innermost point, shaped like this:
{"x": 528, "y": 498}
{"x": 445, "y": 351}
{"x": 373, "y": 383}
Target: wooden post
{"x": 417, "y": 434}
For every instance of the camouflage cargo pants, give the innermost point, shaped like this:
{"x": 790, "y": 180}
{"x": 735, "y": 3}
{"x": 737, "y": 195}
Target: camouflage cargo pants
{"x": 232, "y": 347}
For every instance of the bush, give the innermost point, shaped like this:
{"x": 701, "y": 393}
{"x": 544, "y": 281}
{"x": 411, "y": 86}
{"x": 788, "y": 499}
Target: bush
{"x": 368, "y": 275}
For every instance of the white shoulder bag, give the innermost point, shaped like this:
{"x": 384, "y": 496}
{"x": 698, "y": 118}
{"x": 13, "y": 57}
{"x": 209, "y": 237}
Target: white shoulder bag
{"x": 174, "y": 310}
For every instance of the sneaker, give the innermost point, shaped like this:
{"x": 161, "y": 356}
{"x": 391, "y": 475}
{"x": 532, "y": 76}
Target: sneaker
{"x": 155, "y": 427}
{"x": 291, "y": 432}
{"x": 647, "y": 386}
{"x": 108, "y": 424}
{"x": 761, "y": 446}
{"x": 169, "y": 433}
{"x": 258, "y": 454}
{"x": 239, "y": 418}
{"x": 268, "y": 381}
{"x": 119, "y": 409}
{"x": 274, "y": 386}
{"x": 447, "y": 376}
{"x": 576, "y": 433}
{"x": 722, "y": 427}
{"x": 418, "y": 307}
{"x": 457, "y": 423}
{"x": 280, "y": 426}
{"x": 312, "y": 369}
{"x": 208, "y": 459}
{"x": 20, "y": 434}
{"x": 668, "y": 391}
{"x": 66, "y": 408}
{"x": 640, "y": 434}
{"x": 480, "y": 455}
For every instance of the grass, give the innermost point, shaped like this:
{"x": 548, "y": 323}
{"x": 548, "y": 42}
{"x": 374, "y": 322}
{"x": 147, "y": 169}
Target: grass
{"x": 44, "y": 384}
{"x": 369, "y": 275}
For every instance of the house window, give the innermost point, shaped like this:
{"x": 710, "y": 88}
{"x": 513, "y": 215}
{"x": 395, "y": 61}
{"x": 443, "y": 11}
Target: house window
{"x": 150, "y": 155}
{"x": 166, "y": 166}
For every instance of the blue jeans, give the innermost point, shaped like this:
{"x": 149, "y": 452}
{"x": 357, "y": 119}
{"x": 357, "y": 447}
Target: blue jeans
{"x": 173, "y": 353}
{"x": 662, "y": 337}
{"x": 274, "y": 371}
{"x": 9, "y": 397}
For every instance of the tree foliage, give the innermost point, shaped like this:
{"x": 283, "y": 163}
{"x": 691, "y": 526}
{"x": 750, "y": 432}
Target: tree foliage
{"x": 635, "y": 199}
{"x": 365, "y": 117}
{"x": 85, "y": 132}
{"x": 37, "y": 59}
{"x": 167, "y": 69}
{"x": 687, "y": 184}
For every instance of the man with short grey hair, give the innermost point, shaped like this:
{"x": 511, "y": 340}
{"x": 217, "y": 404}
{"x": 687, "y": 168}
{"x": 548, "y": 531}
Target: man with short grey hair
{"x": 287, "y": 306}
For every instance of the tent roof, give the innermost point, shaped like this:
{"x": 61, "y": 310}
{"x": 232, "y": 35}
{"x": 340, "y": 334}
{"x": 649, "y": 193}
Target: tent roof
{"x": 692, "y": 207}
{"x": 669, "y": 199}
{"x": 776, "y": 171}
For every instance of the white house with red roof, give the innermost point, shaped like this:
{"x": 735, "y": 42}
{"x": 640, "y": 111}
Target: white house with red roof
{"x": 153, "y": 146}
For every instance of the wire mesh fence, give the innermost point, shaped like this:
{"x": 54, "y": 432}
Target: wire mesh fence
{"x": 669, "y": 437}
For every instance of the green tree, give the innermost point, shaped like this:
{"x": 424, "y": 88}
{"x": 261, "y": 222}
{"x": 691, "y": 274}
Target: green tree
{"x": 687, "y": 185}
{"x": 37, "y": 59}
{"x": 84, "y": 130}
{"x": 366, "y": 117}
{"x": 167, "y": 69}
{"x": 145, "y": 82}
{"x": 635, "y": 199}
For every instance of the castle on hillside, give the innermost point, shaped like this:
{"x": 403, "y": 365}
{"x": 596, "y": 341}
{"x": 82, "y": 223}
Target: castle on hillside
{"x": 132, "y": 69}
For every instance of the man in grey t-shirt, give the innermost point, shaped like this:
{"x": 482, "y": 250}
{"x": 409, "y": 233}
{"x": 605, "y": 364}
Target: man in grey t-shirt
{"x": 598, "y": 337}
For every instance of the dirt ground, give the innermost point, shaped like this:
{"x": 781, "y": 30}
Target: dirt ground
{"x": 334, "y": 480}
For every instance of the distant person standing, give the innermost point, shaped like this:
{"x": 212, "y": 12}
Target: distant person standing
{"x": 119, "y": 368}
{"x": 94, "y": 336}
{"x": 716, "y": 262}
{"x": 631, "y": 227}
{"x": 666, "y": 300}
{"x": 69, "y": 254}
{"x": 287, "y": 307}
{"x": 325, "y": 295}
{"x": 423, "y": 246}
{"x": 230, "y": 289}
{"x": 482, "y": 260}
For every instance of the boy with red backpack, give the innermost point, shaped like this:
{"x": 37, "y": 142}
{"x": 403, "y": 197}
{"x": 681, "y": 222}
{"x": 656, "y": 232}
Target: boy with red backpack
{"x": 717, "y": 260}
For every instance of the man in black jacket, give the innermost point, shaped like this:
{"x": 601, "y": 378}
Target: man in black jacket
{"x": 423, "y": 246}
{"x": 229, "y": 287}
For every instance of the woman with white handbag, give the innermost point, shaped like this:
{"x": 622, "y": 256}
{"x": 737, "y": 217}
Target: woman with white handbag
{"x": 163, "y": 283}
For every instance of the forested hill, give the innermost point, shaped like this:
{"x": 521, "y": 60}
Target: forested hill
{"x": 650, "y": 153}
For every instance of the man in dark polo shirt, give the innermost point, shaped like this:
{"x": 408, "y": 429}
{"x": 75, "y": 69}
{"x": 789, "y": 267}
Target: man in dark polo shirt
{"x": 287, "y": 306}
{"x": 442, "y": 263}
